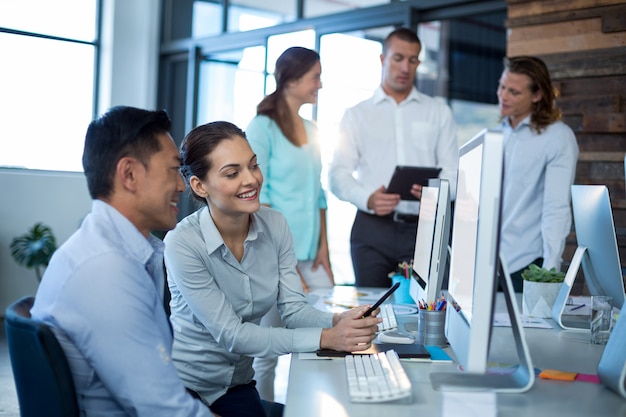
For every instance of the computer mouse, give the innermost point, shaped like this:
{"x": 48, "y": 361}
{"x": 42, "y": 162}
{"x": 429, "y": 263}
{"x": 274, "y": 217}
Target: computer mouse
{"x": 395, "y": 337}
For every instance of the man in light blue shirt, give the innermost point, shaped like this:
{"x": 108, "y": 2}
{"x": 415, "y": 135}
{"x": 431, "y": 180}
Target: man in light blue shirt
{"x": 539, "y": 169}
{"x": 103, "y": 290}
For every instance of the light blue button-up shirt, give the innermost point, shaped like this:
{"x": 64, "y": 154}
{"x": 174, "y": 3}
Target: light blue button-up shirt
{"x": 291, "y": 180}
{"x": 539, "y": 170}
{"x": 217, "y": 301}
{"x": 102, "y": 294}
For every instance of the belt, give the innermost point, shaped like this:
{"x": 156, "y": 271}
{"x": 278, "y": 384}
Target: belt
{"x": 404, "y": 217}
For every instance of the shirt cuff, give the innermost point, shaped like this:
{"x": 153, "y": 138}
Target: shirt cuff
{"x": 306, "y": 340}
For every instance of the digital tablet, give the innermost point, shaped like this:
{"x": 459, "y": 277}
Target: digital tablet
{"x": 411, "y": 351}
{"x": 405, "y": 176}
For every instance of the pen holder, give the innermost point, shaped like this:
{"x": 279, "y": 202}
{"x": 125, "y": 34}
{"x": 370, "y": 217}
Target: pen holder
{"x": 401, "y": 295}
{"x": 430, "y": 327}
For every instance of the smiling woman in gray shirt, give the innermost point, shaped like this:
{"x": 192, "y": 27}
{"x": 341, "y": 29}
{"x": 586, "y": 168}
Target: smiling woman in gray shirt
{"x": 227, "y": 265}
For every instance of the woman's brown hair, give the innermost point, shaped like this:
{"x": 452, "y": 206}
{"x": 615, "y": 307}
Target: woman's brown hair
{"x": 291, "y": 65}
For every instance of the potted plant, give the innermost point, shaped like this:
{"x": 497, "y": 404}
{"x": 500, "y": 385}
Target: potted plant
{"x": 541, "y": 286}
{"x": 34, "y": 248}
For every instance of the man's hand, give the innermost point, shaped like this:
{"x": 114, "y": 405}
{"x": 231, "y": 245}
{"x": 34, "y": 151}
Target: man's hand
{"x": 416, "y": 191}
{"x": 383, "y": 203}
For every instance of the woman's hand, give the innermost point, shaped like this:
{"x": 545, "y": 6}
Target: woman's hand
{"x": 305, "y": 286}
{"x": 351, "y": 331}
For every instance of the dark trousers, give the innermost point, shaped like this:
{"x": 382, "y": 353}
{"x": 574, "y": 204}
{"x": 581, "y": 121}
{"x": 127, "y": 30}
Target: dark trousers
{"x": 377, "y": 245}
{"x": 516, "y": 277}
{"x": 243, "y": 401}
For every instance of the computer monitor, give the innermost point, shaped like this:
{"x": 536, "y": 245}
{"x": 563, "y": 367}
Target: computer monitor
{"x": 597, "y": 252}
{"x": 475, "y": 267}
{"x": 431, "y": 242}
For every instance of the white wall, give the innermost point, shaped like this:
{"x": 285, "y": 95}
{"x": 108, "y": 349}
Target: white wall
{"x": 58, "y": 199}
{"x": 129, "y": 65}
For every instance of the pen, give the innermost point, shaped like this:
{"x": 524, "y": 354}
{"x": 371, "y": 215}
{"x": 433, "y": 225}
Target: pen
{"x": 577, "y": 307}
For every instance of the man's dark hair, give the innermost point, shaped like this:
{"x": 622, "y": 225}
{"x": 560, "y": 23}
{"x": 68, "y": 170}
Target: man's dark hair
{"x": 404, "y": 34}
{"x": 120, "y": 132}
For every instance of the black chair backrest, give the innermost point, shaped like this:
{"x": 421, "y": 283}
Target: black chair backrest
{"x": 43, "y": 379}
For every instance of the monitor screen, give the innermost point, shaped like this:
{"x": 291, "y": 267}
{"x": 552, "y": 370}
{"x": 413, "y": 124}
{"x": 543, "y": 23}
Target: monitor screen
{"x": 597, "y": 251}
{"x": 475, "y": 270}
{"x": 475, "y": 243}
{"x": 595, "y": 230}
{"x": 431, "y": 242}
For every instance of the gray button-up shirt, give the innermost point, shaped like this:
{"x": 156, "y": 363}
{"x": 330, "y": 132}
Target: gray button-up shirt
{"x": 217, "y": 301}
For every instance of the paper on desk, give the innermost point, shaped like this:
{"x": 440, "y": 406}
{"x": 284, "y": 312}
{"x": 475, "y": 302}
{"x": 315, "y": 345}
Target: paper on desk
{"x": 503, "y": 320}
{"x": 468, "y": 403}
{"x": 342, "y": 298}
{"x": 578, "y": 306}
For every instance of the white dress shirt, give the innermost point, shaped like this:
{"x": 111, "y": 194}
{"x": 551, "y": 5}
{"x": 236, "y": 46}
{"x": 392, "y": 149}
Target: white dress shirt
{"x": 539, "y": 170}
{"x": 378, "y": 134}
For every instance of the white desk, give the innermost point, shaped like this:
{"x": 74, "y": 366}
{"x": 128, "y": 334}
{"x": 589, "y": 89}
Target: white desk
{"x": 319, "y": 388}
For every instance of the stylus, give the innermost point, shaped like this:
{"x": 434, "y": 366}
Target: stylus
{"x": 381, "y": 300}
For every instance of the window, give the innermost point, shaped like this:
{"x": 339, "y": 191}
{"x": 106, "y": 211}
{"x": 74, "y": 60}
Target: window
{"x": 47, "y": 78}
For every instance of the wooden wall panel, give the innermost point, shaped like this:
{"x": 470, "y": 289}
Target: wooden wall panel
{"x": 526, "y": 8}
{"x": 589, "y": 142}
{"x": 574, "y": 36}
{"x": 581, "y": 87}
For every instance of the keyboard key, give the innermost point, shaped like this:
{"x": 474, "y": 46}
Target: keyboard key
{"x": 389, "y": 318}
{"x": 377, "y": 377}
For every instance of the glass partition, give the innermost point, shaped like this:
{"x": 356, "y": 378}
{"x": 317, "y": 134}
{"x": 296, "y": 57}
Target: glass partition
{"x": 313, "y": 8}
{"x": 231, "y": 85}
{"x": 244, "y": 15}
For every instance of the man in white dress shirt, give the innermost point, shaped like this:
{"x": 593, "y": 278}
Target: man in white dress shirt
{"x": 398, "y": 125}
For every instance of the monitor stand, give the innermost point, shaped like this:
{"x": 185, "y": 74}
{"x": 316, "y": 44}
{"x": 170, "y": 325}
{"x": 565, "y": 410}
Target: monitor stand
{"x": 561, "y": 299}
{"x": 612, "y": 366}
{"x": 521, "y": 380}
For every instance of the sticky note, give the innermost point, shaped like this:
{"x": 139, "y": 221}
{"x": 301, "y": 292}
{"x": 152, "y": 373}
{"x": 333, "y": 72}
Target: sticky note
{"x": 594, "y": 379}
{"x": 558, "y": 375}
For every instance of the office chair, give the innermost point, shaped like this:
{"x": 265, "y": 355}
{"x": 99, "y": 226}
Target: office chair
{"x": 42, "y": 375}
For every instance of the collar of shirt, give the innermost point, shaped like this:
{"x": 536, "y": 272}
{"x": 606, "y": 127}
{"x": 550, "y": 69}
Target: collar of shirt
{"x": 212, "y": 237}
{"x": 149, "y": 252}
{"x": 127, "y": 235}
{"x": 380, "y": 96}
{"x": 506, "y": 123}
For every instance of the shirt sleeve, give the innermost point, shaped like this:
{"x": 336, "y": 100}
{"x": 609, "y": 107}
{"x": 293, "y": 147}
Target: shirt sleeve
{"x": 295, "y": 313}
{"x": 556, "y": 218}
{"x": 448, "y": 149}
{"x": 187, "y": 268}
{"x": 344, "y": 163}
{"x": 313, "y": 137}
{"x": 111, "y": 311}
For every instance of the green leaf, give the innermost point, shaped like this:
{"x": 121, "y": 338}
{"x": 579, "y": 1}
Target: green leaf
{"x": 538, "y": 274}
{"x": 34, "y": 248}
